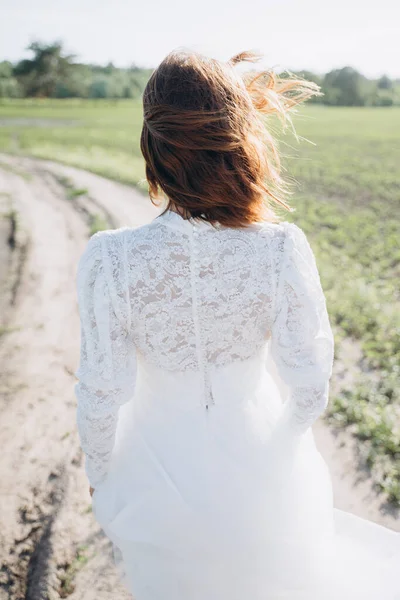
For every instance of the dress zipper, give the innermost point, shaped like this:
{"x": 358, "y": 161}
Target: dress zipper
{"x": 200, "y": 346}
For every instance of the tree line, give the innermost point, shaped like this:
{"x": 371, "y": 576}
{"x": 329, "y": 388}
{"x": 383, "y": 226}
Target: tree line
{"x": 51, "y": 73}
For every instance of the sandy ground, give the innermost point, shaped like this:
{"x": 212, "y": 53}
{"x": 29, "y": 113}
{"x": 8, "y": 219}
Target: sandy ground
{"x": 50, "y": 546}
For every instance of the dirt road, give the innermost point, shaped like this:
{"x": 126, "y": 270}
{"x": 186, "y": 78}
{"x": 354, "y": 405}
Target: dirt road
{"x": 50, "y": 546}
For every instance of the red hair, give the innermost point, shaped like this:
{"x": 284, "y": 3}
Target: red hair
{"x": 205, "y": 140}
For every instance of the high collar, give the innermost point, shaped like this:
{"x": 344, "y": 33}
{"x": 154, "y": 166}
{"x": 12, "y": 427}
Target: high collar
{"x": 176, "y": 221}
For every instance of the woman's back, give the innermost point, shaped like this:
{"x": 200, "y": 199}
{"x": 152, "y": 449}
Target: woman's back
{"x": 197, "y": 293}
{"x": 194, "y": 297}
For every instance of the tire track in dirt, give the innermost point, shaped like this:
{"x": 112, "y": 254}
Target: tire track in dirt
{"x": 37, "y": 358}
{"x": 36, "y": 364}
{"x": 50, "y": 546}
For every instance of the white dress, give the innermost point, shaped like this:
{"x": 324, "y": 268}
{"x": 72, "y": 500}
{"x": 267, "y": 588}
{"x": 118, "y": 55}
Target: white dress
{"x": 204, "y": 465}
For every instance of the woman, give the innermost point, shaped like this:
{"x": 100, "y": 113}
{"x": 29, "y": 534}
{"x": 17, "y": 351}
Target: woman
{"x": 203, "y": 464}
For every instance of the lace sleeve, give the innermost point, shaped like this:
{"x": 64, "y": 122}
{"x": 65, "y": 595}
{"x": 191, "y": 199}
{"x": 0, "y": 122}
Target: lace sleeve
{"x": 302, "y": 342}
{"x": 107, "y": 364}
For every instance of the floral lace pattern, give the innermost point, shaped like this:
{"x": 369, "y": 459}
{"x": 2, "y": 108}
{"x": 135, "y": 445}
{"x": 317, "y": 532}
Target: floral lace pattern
{"x": 189, "y": 296}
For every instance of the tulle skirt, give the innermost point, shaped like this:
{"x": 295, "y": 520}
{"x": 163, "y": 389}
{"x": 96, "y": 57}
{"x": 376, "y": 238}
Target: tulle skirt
{"x": 221, "y": 505}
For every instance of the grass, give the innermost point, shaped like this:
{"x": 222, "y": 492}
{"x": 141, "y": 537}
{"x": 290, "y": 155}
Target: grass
{"x": 347, "y": 199}
{"x": 349, "y": 205}
{"x": 76, "y": 192}
{"x": 101, "y": 136}
{"x": 374, "y": 408}
{"x": 97, "y": 223}
{"x": 71, "y": 191}
{"x": 67, "y": 578}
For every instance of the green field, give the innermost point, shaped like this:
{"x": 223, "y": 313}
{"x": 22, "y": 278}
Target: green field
{"x": 347, "y": 196}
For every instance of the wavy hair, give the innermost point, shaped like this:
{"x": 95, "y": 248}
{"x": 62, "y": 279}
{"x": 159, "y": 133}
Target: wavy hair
{"x": 206, "y": 138}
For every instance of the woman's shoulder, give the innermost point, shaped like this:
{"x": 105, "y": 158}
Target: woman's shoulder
{"x": 109, "y": 249}
{"x": 113, "y": 239}
{"x": 286, "y": 242}
{"x": 101, "y": 245}
{"x": 283, "y": 234}
{"x": 282, "y": 229}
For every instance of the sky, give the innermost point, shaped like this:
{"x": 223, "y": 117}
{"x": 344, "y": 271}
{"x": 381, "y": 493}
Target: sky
{"x": 292, "y": 34}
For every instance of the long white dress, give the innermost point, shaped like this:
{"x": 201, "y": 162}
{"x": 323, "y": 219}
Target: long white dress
{"x": 205, "y": 470}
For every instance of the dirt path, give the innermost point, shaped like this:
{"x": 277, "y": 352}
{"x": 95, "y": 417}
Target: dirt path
{"x": 45, "y": 518}
{"x": 50, "y": 546}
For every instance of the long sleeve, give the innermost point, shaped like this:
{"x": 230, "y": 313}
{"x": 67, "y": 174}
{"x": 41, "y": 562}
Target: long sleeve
{"x": 107, "y": 366}
{"x": 302, "y": 343}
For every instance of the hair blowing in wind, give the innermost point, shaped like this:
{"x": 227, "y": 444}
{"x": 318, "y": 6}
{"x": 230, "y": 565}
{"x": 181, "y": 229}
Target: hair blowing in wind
{"x": 206, "y": 138}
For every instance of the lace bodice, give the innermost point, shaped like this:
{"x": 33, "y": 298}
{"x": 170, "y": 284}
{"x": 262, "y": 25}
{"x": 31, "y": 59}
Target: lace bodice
{"x": 188, "y": 296}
